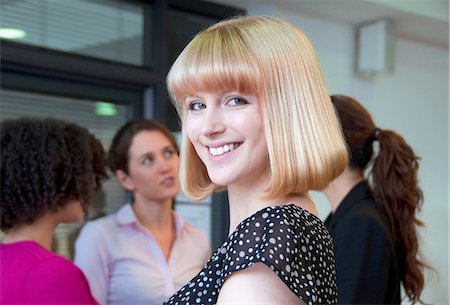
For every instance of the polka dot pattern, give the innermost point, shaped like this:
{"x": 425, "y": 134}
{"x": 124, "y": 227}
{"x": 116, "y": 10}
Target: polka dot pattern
{"x": 288, "y": 239}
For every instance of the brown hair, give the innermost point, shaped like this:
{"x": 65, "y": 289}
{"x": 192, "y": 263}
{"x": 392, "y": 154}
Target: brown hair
{"x": 394, "y": 183}
{"x": 118, "y": 152}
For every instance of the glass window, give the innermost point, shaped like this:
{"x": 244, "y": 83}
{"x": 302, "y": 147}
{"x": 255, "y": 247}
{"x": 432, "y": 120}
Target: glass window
{"x": 106, "y": 29}
{"x": 63, "y": 60}
{"x": 183, "y": 25}
{"x": 101, "y": 118}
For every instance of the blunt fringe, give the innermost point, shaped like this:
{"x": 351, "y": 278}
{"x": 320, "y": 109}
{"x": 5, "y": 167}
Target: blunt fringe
{"x": 273, "y": 60}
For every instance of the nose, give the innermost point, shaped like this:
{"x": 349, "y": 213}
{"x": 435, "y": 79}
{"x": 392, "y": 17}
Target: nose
{"x": 212, "y": 123}
{"x": 164, "y": 164}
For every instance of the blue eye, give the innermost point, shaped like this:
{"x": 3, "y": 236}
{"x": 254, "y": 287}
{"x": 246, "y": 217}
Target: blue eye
{"x": 147, "y": 161}
{"x": 197, "y": 106}
{"x": 169, "y": 153}
{"x": 237, "y": 101}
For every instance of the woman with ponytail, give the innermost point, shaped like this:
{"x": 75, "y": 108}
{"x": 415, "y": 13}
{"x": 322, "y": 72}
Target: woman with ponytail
{"x": 373, "y": 220}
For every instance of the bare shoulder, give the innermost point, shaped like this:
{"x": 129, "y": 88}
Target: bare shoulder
{"x": 257, "y": 284}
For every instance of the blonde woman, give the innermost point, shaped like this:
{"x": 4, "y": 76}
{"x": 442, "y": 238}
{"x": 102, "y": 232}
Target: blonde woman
{"x": 257, "y": 121}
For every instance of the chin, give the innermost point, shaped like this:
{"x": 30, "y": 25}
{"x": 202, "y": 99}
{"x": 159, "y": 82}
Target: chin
{"x": 220, "y": 181}
{"x": 172, "y": 194}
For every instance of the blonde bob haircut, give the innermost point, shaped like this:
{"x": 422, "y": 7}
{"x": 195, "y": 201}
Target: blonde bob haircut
{"x": 273, "y": 60}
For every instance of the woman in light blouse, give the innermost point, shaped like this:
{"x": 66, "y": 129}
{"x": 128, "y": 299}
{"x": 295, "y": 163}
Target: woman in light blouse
{"x": 144, "y": 252}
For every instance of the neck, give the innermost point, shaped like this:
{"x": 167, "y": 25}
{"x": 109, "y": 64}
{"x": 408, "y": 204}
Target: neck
{"x": 157, "y": 218}
{"x": 154, "y": 216}
{"x": 341, "y": 186}
{"x": 242, "y": 205}
{"x": 245, "y": 201}
{"x": 40, "y": 231}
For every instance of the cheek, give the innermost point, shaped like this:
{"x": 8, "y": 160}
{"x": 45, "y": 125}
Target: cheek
{"x": 192, "y": 129}
{"x": 259, "y": 134}
{"x": 263, "y": 147}
{"x": 176, "y": 163}
{"x": 141, "y": 174}
{"x": 255, "y": 128}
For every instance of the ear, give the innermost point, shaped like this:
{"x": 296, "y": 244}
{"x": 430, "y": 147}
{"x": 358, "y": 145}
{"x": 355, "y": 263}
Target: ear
{"x": 125, "y": 180}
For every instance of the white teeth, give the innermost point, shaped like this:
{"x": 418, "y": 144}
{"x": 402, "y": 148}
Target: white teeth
{"x": 223, "y": 149}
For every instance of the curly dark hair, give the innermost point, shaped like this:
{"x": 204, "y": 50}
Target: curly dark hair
{"x": 394, "y": 183}
{"x": 46, "y": 163}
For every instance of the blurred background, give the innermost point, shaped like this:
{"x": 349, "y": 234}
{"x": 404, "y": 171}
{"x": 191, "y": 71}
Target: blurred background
{"x": 102, "y": 62}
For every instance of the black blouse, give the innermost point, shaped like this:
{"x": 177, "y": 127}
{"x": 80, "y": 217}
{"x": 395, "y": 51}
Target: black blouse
{"x": 367, "y": 269}
{"x": 292, "y": 242}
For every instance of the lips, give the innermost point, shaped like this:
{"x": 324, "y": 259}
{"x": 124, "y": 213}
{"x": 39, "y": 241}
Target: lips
{"x": 169, "y": 181}
{"x": 220, "y": 150}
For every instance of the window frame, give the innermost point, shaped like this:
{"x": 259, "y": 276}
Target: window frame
{"x": 38, "y": 61}
{"x": 37, "y": 69}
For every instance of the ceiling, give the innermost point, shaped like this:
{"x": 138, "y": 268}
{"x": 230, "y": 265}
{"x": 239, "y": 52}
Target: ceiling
{"x": 420, "y": 20}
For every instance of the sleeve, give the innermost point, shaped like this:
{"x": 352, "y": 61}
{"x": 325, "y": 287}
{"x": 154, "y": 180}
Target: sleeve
{"x": 362, "y": 260}
{"x": 57, "y": 281}
{"x": 260, "y": 241}
{"x": 92, "y": 256}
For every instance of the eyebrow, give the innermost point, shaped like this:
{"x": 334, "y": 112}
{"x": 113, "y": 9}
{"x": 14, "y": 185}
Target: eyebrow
{"x": 152, "y": 153}
{"x": 191, "y": 98}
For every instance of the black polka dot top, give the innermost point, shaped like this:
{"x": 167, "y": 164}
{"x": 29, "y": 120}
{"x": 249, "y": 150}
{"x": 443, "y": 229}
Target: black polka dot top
{"x": 288, "y": 239}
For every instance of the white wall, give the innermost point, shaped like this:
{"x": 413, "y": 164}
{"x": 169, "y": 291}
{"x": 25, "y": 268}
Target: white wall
{"x": 412, "y": 100}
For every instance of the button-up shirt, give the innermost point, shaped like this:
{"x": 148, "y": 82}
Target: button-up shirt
{"x": 125, "y": 265}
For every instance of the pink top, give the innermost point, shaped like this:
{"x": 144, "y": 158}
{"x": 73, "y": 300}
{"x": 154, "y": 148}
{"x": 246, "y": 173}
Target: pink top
{"x": 31, "y": 274}
{"x": 125, "y": 265}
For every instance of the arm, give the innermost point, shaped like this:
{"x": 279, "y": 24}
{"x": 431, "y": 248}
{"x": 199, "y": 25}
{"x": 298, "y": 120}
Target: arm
{"x": 257, "y": 284}
{"x": 362, "y": 260}
{"x": 92, "y": 256}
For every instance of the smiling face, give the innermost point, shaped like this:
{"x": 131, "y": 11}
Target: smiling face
{"x": 227, "y": 132}
{"x": 152, "y": 167}
{"x": 274, "y": 60}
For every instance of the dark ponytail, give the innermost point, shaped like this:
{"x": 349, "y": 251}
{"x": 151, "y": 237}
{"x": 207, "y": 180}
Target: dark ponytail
{"x": 393, "y": 184}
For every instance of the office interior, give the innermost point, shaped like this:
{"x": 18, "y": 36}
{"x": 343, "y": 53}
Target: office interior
{"x": 102, "y": 62}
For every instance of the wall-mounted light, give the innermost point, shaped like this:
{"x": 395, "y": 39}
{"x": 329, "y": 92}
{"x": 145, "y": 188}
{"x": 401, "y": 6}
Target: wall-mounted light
{"x": 105, "y": 109}
{"x": 11, "y": 33}
{"x": 375, "y": 46}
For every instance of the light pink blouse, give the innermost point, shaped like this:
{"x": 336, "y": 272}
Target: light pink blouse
{"x": 125, "y": 265}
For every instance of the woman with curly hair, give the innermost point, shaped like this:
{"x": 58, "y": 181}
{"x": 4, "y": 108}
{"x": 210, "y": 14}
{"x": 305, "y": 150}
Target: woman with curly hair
{"x": 373, "y": 223}
{"x": 49, "y": 169}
